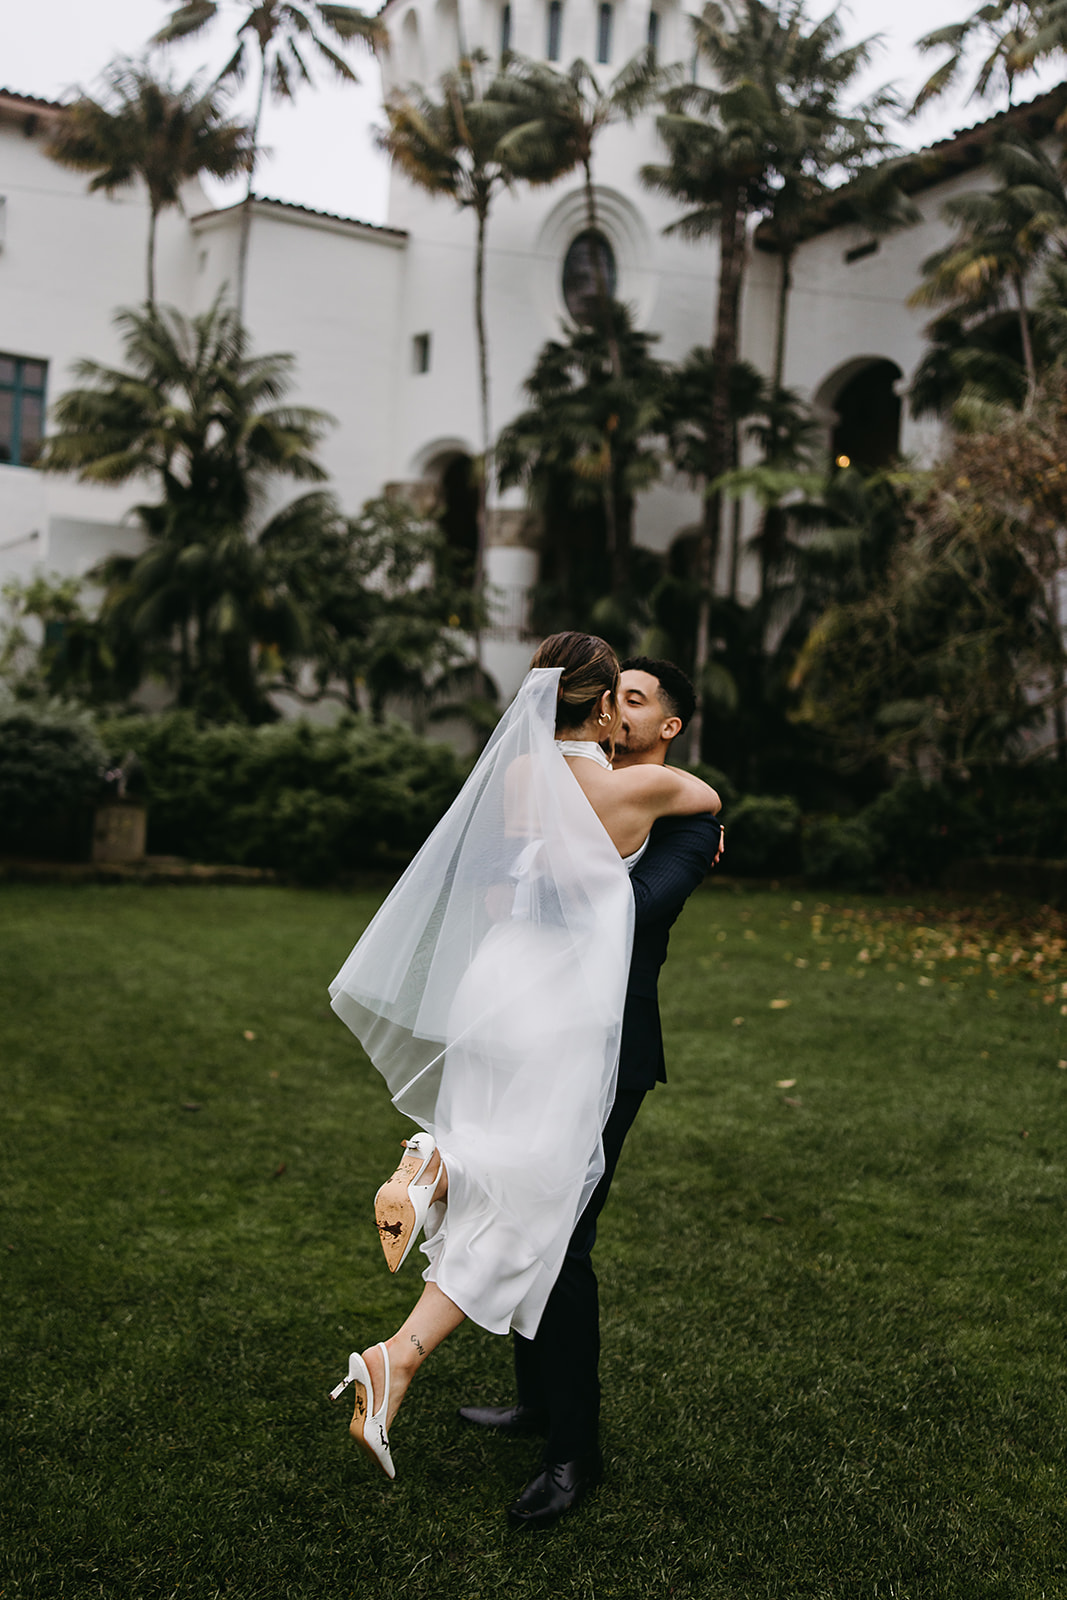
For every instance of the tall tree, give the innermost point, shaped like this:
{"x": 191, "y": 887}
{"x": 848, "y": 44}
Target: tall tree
{"x": 563, "y": 115}
{"x": 588, "y": 435}
{"x": 278, "y": 36}
{"x": 203, "y": 421}
{"x": 1002, "y": 235}
{"x": 386, "y": 616}
{"x": 1006, "y": 34}
{"x": 146, "y": 127}
{"x": 454, "y": 146}
{"x": 771, "y": 133}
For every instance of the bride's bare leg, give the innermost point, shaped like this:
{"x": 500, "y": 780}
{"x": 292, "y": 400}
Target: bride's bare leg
{"x": 433, "y": 1317}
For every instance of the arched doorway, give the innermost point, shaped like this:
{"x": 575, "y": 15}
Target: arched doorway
{"x": 864, "y": 412}
{"x": 458, "y": 511}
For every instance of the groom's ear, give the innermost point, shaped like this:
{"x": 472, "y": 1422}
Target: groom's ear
{"x": 671, "y": 728}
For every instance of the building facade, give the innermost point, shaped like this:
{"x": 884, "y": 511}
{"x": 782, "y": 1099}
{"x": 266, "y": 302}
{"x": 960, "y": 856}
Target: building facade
{"x": 380, "y": 319}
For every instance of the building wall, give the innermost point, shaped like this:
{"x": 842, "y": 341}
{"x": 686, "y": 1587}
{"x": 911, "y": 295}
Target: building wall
{"x": 67, "y": 260}
{"x": 349, "y": 300}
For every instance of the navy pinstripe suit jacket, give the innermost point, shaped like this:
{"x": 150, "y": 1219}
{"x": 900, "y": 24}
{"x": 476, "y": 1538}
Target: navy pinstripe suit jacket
{"x": 678, "y": 858}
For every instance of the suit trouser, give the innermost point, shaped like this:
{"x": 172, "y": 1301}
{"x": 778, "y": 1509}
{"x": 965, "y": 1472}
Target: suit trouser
{"x": 557, "y": 1370}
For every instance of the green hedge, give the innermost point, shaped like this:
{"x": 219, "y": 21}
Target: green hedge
{"x": 914, "y": 832}
{"x": 51, "y": 767}
{"x": 311, "y": 801}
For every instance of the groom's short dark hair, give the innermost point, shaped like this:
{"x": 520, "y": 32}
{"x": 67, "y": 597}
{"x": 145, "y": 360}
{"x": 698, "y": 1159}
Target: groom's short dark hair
{"x": 676, "y": 692}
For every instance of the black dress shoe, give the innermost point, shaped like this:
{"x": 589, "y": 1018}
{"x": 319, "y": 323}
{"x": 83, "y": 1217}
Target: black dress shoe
{"x": 516, "y": 1420}
{"x": 557, "y": 1488}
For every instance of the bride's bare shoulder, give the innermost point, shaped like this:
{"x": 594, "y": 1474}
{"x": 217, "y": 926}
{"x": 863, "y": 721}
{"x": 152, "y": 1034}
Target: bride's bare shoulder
{"x": 670, "y": 790}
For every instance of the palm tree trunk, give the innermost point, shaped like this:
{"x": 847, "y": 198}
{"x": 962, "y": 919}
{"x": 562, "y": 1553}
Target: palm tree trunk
{"x": 1024, "y": 333}
{"x": 735, "y": 548}
{"x": 482, "y": 212}
{"x": 617, "y": 555}
{"x": 150, "y": 264}
{"x": 785, "y": 285}
{"x": 720, "y": 433}
{"x": 246, "y": 210}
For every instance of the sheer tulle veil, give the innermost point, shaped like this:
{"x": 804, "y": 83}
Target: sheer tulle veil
{"x": 488, "y": 991}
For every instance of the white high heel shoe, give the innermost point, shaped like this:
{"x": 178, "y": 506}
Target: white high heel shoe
{"x": 403, "y": 1201}
{"x": 368, "y": 1427}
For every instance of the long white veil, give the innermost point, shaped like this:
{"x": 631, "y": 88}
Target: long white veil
{"x": 488, "y": 991}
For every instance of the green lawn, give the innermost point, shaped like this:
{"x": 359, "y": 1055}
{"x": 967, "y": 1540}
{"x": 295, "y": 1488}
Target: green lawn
{"x": 833, "y": 1308}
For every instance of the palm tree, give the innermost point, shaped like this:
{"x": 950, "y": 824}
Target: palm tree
{"x": 589, "y": 436}
{"x": 767, "y": 140}
{"x": 563, "y": 115}
{"x": 203, "y": 420}
{"x": 716, "y": 142}
{"x": 454, "y": 146}
{"x": 278, "y": 35}
{"x": 1011, "y": 35}
{"x": 143, "y": 127}
{"x": 1002, "y": 235}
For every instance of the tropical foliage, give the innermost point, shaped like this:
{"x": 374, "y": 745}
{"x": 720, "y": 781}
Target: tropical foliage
{"x": 766, "y": 140}
{"x": 144, "y": 127}
{"x": 203, "y": 421}
{"x": 280, "y": 38}
{"x": 959, "y": 649}
{"x": 589, "y": 438}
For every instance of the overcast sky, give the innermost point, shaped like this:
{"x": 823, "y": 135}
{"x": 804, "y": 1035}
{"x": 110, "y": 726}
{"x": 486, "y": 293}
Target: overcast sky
{"x": 321, "y": 149}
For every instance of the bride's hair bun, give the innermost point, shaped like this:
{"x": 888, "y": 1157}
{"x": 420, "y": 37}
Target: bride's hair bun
{"x": 590, "y": 667}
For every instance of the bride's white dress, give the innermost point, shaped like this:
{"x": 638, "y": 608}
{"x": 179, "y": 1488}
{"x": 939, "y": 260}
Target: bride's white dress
{"x": 489, "y": 993}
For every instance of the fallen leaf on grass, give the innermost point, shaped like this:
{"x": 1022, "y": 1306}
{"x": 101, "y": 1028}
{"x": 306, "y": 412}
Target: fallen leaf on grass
{"x": 793, "y": 1103}
{"x": 249, "y": 1035}
{"x": 190, "y": 1105}
{"x": 769, "y": 1216}
{"x": 738, "y": 1021}
{"x": 279, "y": 1169}
{"x": 780, "y": 1005}
{"x": 785, "y": 1083}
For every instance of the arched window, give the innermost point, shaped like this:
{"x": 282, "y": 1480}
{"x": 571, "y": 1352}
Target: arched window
{"x": 603, "y": 34}
{"x": 505, "y": 30}
{"x": 554, "y": 42}
{"x": 588, "y": 272}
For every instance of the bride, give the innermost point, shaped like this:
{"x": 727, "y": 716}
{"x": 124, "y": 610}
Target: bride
{"x": 488, "y": 991}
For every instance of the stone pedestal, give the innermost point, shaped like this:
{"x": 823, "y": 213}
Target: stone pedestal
{"x": 119, "y": 833}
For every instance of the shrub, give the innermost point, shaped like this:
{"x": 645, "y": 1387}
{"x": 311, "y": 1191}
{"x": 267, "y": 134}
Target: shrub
{"x": 922, "y": 827}
{"x": 309, "y": 800}
{"x": 763, "y": 837}
{"x": 51, "y": 762}
{"x": 841, "y": 851}
{"x": 724, "y": 786}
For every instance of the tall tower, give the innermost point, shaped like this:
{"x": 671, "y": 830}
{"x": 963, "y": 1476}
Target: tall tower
{"x": 538, "y": 251}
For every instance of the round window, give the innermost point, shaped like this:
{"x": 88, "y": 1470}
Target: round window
{"x": 588, "y": 272}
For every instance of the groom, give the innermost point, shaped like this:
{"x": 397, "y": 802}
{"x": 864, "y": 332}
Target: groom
{"x": 557, "y": 1386}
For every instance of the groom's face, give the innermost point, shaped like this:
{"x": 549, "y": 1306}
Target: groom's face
{"x": 643, "y": 713}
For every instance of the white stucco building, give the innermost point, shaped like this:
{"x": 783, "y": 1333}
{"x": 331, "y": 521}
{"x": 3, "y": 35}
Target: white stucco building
{"x": 380, "y": 318}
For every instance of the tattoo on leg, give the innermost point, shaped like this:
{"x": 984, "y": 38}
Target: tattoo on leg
{"x": 418, "y": 1346}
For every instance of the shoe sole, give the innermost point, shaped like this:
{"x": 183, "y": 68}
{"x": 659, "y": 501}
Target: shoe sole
{"x": 358, "y": 1424}
{"x": 395, "y": 1214}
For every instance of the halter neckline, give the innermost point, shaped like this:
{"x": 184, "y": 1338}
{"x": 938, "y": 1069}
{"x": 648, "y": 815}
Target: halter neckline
{"x": 584, "y": 747}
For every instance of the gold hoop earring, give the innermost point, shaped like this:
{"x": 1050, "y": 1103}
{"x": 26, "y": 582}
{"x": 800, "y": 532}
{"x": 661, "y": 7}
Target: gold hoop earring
{"x": 603, "y": 719}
